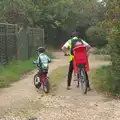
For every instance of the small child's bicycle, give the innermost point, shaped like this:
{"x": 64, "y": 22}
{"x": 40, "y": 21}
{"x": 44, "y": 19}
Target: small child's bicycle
{"x": 41, "y": 79}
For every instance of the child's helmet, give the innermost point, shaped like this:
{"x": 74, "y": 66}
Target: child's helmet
{"x": 41, "y": 49}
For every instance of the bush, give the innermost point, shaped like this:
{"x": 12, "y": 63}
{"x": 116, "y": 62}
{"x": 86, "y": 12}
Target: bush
{"x": 114, "y": 51}
{"x": 110, "y": 77}
{"x": 96, "y": 36}
{"x": 102, "y": 80}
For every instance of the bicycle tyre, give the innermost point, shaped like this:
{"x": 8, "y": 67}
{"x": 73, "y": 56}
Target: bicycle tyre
{"x": 46, "y": 86}
{"x": 38, "y": 85}
{"x": 78, "y": 81}
{"x": 82, "y": 79}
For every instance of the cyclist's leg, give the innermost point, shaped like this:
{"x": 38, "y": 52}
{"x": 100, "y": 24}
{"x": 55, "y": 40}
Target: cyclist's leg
{"x": 70, "y": 74}
{"x": 40, "y": 71}
{"x": 88, "y": 84}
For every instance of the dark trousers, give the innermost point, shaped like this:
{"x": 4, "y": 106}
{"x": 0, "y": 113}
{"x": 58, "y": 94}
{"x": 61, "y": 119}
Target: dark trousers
{"x": 70, "y": 74}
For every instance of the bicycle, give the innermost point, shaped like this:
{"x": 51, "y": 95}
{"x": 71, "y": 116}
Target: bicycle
{"x": 80, "y": 64}
{"x": 41, "y": 79}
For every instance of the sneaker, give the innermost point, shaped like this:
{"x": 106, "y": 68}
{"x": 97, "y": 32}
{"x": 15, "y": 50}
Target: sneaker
{"x": 89, "y": 89}
{"x": 68, "y": 87}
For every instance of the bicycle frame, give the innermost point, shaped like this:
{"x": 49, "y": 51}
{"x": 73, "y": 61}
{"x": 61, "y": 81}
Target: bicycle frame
{"x": 42, "y": 75}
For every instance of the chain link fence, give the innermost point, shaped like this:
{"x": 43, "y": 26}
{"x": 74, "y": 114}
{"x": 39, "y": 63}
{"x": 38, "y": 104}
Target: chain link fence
{"x": 19, "y": 45}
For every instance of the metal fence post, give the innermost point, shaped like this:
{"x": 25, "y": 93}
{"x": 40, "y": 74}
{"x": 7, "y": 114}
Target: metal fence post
{"x": 6, "y": 44}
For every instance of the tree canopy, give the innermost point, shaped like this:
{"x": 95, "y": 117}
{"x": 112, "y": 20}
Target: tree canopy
{"x": 55, "y": 16}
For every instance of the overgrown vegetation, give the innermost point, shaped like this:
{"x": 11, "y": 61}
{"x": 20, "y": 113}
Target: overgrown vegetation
{"x": 107, "y": 79}
{"x": 96, "y": 36}
{"x": 100, "y": 79}
{"x": 103, "y": 80}
{"x": 13, "y": 71}
{"x": 112, "y": 74}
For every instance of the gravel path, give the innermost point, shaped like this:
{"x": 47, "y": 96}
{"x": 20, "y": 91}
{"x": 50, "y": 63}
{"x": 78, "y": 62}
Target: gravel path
{"x": 24, "y": 102}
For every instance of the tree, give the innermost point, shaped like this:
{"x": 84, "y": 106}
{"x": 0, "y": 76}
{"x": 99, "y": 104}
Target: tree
{"x": 96, "y": 36}
{"x": 52, "y": 15}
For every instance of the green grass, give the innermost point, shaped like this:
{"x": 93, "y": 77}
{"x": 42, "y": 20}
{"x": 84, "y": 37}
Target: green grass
{"x": 16, "y": 69}
{"x": 103, "y": 81}
{"x": 99, "y": 79}
{"x": 13, "y": 71}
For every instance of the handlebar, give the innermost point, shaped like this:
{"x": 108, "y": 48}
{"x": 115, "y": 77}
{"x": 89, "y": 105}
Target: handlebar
{"x": 36, "y": 63}
{"x": 66, "y": 54}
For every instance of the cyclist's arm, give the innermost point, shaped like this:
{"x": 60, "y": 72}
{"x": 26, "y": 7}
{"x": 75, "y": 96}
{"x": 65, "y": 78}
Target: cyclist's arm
{"x": 66, "y": 46}
{"x": 38, "y": 61}
{"x": 49, "y": 60}
{"x": 88, "y": 47}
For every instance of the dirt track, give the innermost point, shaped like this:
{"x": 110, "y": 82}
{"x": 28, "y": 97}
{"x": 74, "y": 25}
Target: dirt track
{"x": 66, "y": 105}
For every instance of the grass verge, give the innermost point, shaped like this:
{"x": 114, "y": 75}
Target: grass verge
{"x": 13, "y": 72}
{"x": 100, "y": 79}
{"x": 103, "y": 81}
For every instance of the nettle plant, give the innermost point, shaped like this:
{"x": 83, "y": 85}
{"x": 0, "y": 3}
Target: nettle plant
{"x": 114, "y": 51}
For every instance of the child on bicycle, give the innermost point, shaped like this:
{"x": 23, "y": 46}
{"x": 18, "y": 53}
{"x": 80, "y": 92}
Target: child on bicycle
{"x": 43, "y": 60}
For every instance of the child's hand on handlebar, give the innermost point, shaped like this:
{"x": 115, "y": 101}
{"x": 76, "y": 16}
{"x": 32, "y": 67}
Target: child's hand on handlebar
{"x": 88, "y": 54}
{"x": 66, "y": 54}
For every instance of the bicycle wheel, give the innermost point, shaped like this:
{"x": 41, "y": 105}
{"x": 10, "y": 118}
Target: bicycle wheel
{"x": 78, "y": 81}
{"x": 46, "y": 86}
{"x": 82, "y": 79}
{"x": 37, "y": 81}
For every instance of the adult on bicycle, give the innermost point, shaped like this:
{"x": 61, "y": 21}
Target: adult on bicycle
{"x": 70, "y": 44}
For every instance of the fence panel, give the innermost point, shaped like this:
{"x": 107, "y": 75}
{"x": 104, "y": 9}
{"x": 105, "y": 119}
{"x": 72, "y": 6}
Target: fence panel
{"x": 11, "y": 42}
{"x": 36, "y": 39}
{"x": 19, "y": 45}
{"x": 3, "y": 59}
{"x": 22, "y": 45}
{"x": 31, "y": 50}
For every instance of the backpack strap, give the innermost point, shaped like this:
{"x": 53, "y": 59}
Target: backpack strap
{"x": 73, "y": 42}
